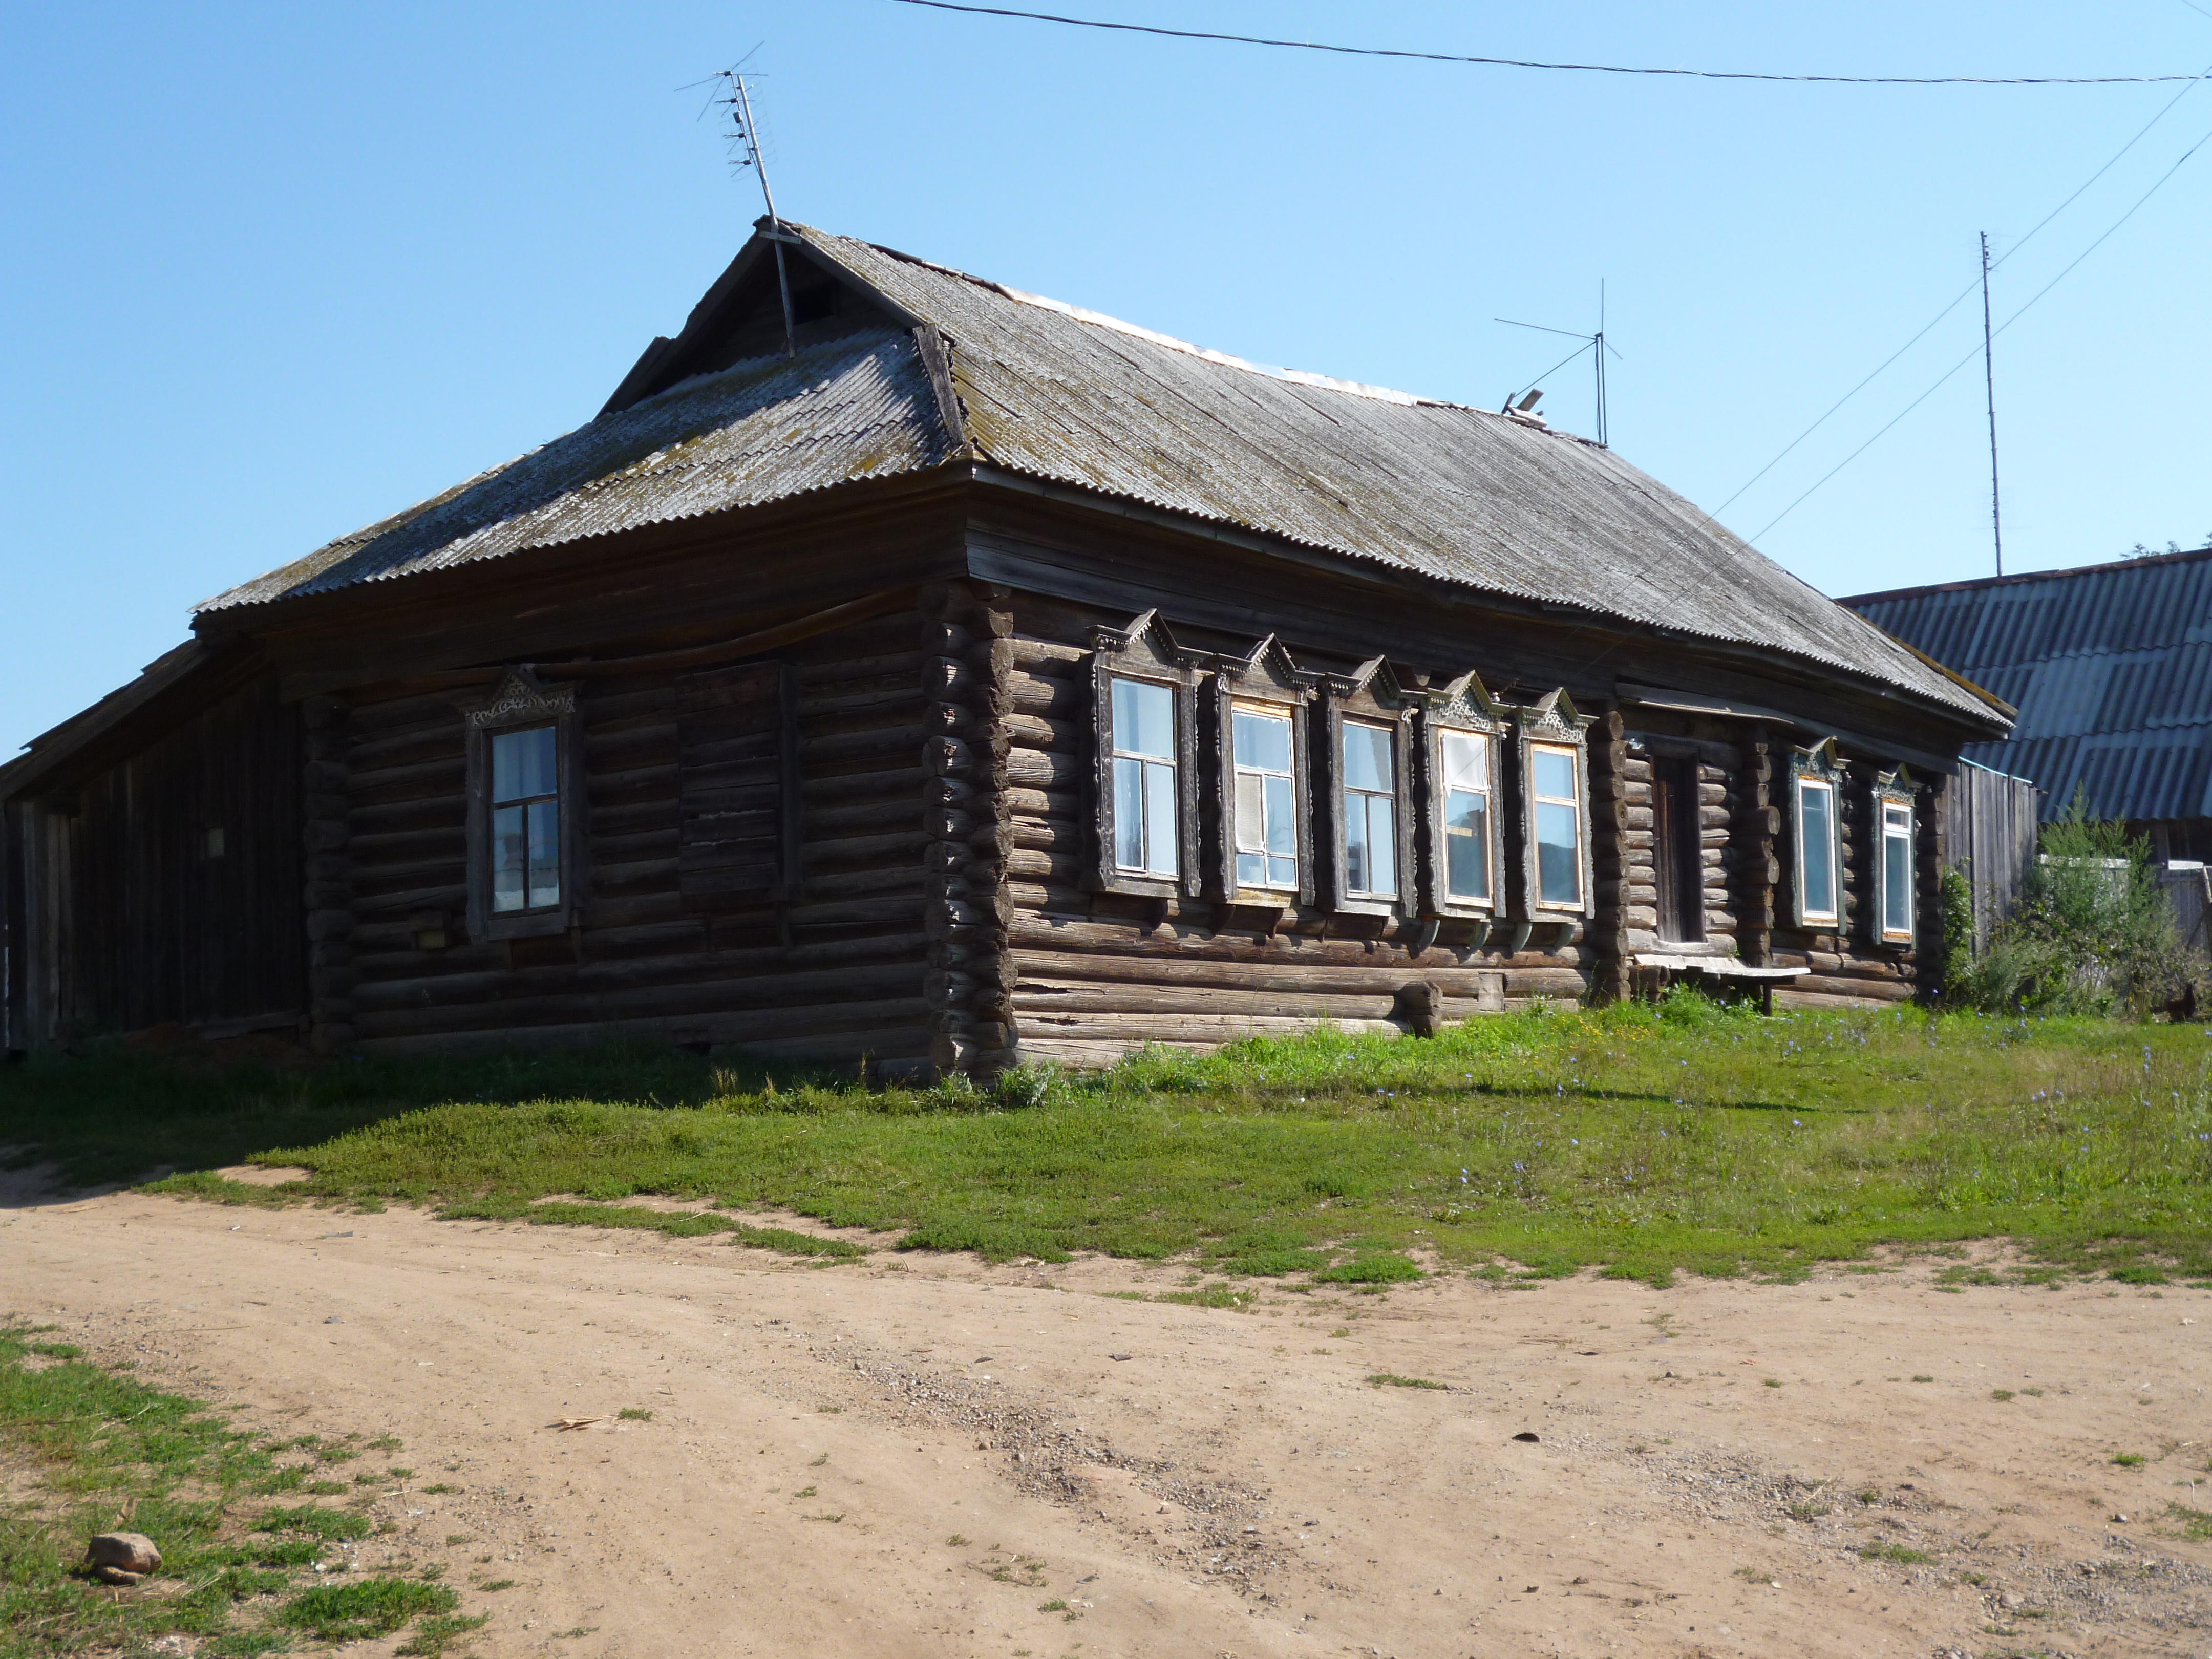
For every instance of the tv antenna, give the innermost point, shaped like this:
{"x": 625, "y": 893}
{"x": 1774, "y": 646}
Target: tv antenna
{"x": 1989, "y": 382}
{"x": 745, "y": 151}
{"x": 1596, "y": 345}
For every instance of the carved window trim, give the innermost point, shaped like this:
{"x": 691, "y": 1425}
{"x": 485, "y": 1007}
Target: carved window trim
{"x": 1144, "y": 651}
{"x": 1265, "y": 679}
{"x": 1816, "y": 768}
{"x": 1893, "y": 793}
{"x": 1552, "y": 721}
{"x": 1369, "y": 696}
{"x": 521, "y": 701}
{"x": 1461, "y": 706}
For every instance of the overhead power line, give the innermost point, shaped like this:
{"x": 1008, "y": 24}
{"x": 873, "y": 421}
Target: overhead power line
{"x": 1945, "y": 377}
{"x": 2141, "y": 133}
{"x": 1584, "y": 68}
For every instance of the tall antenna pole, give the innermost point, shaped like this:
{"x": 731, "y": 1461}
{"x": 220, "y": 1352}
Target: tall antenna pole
{"x": 1599, "y": 354}
{"x": 748, "y": 155}
{"x": 1989, "y": 379}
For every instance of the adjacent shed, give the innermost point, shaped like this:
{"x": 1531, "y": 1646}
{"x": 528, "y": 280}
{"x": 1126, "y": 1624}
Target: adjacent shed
{"x": 2109, "y": 667}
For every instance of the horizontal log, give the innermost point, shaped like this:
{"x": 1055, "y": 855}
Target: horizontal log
{"x": 1561, "y": 984}
{"x": 1812, "y": 1000}
{"x": 903, "y": 780}
{"x": 1125, "y": 1031}
{"x": 726, "y": 1001}
{"x": 1048, "y": 998}
{"x": 1032, "y": 934}
{"x": 682, "y": 984}
{"x": 1041, "y": 656}
{"x": 1033, "y": 768}
{"x": 850, "y": 671}
{"x": 1323, "y": 978}
{"x": 891, "y": 1044}
{"x": 1033, "y": 694}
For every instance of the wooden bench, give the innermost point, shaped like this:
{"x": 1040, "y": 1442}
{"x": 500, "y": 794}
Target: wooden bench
{"x": 1665, "y": 966}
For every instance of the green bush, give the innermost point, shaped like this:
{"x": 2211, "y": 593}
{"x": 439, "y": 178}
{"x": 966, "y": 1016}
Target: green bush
{"x": 2094, "y": 933}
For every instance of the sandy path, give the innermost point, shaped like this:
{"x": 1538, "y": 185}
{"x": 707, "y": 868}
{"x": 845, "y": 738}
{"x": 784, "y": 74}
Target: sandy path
{"x": 1232, "y": 1486}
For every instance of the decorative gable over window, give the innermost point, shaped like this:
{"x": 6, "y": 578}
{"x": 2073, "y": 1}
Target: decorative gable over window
{"x": 1144, "y": 710}
{"x": 1261, "y": 788}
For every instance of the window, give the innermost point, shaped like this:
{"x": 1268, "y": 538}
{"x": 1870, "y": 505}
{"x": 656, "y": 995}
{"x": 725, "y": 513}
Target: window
{"x": 1896, "y": 871}
{"x": 524, "y": 827}
{"x": 1556, "y": 826}
{"x": 1145, "y": 796}
{"x": 1816, "y": 851}
{"x": 526, "y": 820}
{"x": 1265, "y": 804}
{"x": 1465, "y": 791}
{"x": 1370, "y": 809}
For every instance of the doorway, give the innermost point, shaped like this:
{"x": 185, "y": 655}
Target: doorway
{"x": 1678, "y": 861}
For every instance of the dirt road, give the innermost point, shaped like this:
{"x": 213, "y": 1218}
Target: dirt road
{"x": 930, "y": 1455}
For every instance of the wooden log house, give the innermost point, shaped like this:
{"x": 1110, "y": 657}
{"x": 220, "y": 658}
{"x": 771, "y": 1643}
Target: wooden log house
{"x": 926, "y": 675}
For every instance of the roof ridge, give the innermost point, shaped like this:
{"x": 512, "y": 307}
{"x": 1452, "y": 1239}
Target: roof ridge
{"x": 1137, "y": 331}
{"x": 1973, "y": 584}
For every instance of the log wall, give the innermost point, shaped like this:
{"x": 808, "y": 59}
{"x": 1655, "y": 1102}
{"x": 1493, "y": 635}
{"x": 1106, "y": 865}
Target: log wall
{"x": 829, "y": 966}
{"x": 1095, "y": 975}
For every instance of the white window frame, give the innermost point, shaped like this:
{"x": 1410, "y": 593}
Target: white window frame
{"x": 1143, "y": 652}
{"x": 1893, "y": 799}
{"x": 1576, "y": 802}
{"x": 1816, "y": 769}
{"x": 1243, "y": 838}
{"x": 1153, "y": 772}
{"x": 1346, "y": 791}
{"x": 1486, "y": 840}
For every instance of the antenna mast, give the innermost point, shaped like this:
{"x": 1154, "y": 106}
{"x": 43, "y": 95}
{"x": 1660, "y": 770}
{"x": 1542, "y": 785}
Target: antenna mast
{"x": 745, "y": 138}
{"x": 1989, "y": 381}
{"x": 1595, "y": 344}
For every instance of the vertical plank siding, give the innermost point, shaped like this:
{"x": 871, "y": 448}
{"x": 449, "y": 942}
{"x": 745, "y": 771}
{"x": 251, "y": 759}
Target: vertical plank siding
{"x": 824, "y": 961}
{"x": 184, "y": 876}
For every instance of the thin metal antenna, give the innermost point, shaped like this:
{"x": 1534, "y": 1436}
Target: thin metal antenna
{"x": 1595, "y": 344}
{"x": 744, "y": 136}
{"x": 1989, "y": 381}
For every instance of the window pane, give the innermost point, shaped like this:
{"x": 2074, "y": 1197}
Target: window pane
{"x": 1261, "y": 741}
{"x": 1817, "y": 822}
{"x": 1367, "y": 758}
{"x": 1251, "y": 812}
{"x": 1282, "y": 820}
{"x": 1356, "y": 860}
{"x": 1558, "y": 854}
{"x": 1897, "y": 883}
{"x": 1382, "y": 844}
{"x": 1143, "y": 719}
{"x": 1282, "y": 872}
{"x": 1467, "y": 761}
{"x": 1467, "y": 844}
{"x": 1159, "y": 818}
{"x": 1553, "y": 773}
{"x": 1129, "y": 814}
{"x": 522, "y": 764}
{"x": 510, "y": 858}
{"x": 544, "y": 853}
{"x": 1251, "y": 869}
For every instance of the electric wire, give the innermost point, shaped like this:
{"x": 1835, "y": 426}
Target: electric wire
{"x": 1977, "y": 351}
{"x": 1586, "y": 68}
{"x": 2140, "y": 134}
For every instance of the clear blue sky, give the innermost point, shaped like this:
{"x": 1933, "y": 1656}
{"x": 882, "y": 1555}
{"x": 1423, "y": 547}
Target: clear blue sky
{"x": 271, "y": 272}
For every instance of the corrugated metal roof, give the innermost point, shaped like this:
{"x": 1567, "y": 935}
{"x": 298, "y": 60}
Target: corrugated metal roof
{"x": 761, "y": 430}
{"x": 1456, "y": 494}
{"x": 2111, "y": 668}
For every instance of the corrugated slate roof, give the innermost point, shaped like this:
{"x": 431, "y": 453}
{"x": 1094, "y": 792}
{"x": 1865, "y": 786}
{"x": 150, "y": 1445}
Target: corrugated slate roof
{"x": 1460, "y": 494}
{"x": 2110, "y": 667}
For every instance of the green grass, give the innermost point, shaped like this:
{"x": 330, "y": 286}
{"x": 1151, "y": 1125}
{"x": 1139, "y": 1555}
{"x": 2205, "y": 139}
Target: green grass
{"x": 102, "y": 1451}
{"x": 1392, "y": 1380}
{"x": 1896, "y": 1554}
{"x": 358, "y": 1608}
{"x": 1643, "y": 1141}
